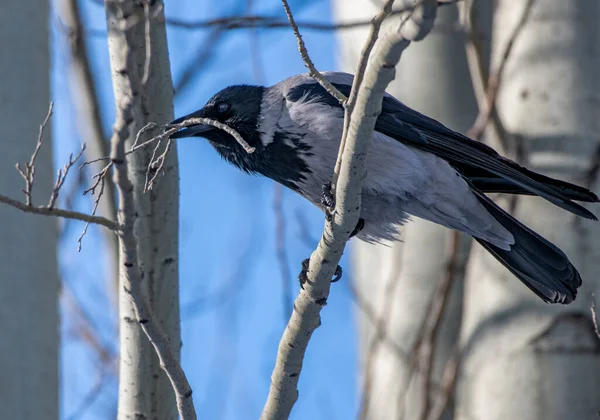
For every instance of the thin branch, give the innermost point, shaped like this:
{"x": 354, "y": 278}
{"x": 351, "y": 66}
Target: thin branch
{"x": 156, "y": 165}
{"x": 171, "y": 129}
{"x": 487, "y": 105}
{"x": 29, "y": 173}
{"x": 312, "y": 71}
{"x": 381, "y": 335}
{"x": 100, "y": 182}
{"x": 87, "y": 331}
{"x": 49, "y": 210}
{"x": 271, "y": 22}
{"x": 305, "y": 319}
{"x": 62, "y": 175}
{"x": 434, "y": 318}
{"x": 67, "y": 214}
{"x": 449, "y": 380}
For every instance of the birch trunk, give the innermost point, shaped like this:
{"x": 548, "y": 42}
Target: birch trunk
{"x": 28, "y": 270}
{"x": 524, "y": 359}
{"x": 396, "y": 283}
{"x": 144, "y": 389}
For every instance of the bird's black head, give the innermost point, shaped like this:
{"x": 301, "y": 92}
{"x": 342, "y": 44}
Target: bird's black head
{"x": 236, "y": 106}
{"x": 280, "y": 157}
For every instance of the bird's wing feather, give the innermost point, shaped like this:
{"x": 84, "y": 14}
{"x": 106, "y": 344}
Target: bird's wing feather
{"x": 484, "y": 164}
{"x": 479, "y": 163}
{"x": 539, "y": 264}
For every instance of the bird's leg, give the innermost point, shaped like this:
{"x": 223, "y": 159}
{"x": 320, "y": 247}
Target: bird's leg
{"x": 303, "y": 276}
{"x": 328, "y": 200}
{"x": 359, "y": 226}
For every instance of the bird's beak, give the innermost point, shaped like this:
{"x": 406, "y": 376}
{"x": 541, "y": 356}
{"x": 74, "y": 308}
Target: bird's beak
{"x": 193, "y": 130}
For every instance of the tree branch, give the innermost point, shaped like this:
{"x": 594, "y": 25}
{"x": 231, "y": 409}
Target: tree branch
{"x": 67, "y": 214}
{"x": 49, "y": 210}
{"x": 270, "y": 22}
{"x": 312, "y": 71}
{"x": 323, "y": 262}
{"x": 130, "y": 112}
{"x": 487, "y": 85}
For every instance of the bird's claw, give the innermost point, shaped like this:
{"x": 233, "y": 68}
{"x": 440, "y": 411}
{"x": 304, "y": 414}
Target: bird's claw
{"x": 303, "y": 276}
{"x": 327, "y": 198}
{"x": 337, "y": 275}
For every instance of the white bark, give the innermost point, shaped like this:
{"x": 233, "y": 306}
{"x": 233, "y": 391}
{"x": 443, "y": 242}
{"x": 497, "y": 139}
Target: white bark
{"x": 363, "y": 107}
{"x": 522, "y": 358}
{"x": 144, "y": 389}
{"x": 398, "y": 281}
{"x": 28, "y": 271}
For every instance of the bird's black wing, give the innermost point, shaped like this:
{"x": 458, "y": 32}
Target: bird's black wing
{"x": 482, "y": 165}
{"x": 539, "y": 264}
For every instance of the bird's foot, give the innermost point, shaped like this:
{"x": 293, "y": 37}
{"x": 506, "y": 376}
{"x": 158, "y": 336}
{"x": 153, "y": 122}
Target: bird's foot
{"x": 327, "y": 197}
{"x": 328, "y": 200}
{"x": 303, "y": 276}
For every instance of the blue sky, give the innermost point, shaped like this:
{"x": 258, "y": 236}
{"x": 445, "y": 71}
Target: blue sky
{"x": 232, "y": 293}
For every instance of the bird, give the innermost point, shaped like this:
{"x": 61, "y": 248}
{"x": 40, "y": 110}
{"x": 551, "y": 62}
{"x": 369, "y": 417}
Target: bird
{"x": 416, "y": 167}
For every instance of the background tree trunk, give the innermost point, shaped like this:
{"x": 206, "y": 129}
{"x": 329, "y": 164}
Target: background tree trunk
{"x": 523, "y": 358}
{"x": 144, "y": 389}
{"x": 88, "y": 116}
{"x": 396, "y": 284}
{"x": 28, "y": 269}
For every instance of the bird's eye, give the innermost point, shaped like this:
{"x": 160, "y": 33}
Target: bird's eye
{"x": 223, "y": 108}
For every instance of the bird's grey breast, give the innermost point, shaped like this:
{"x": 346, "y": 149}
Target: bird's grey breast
{"x": 301, "y": 138}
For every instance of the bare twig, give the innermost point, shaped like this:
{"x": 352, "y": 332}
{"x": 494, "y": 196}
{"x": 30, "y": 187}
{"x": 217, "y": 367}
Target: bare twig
{"x": 90, "y": 397}
{"x": 87, "y": 331}
{"x": 100, "y": 182}
{"x": 434, "y": 319}
{"x": 270, "y": 22}
{"x": 67, "y": 214}
{"x": 312, "y": 71}
{"x": 29, "y": 173}
{"x": 171, "y": 129}
{"x": 62, "y": 175}
{"x": 194, "y": 121}
{"x": 156, "y": 165}
{"x": 49, "y": 210}
{"x": 381, "y": 335}
{"x": 487, "y": 106}
{"x": 323, "y": 262}
{"x": 449, "y": 379}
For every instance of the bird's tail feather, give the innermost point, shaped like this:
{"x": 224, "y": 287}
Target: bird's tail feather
{"x": 539, "y": 264}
